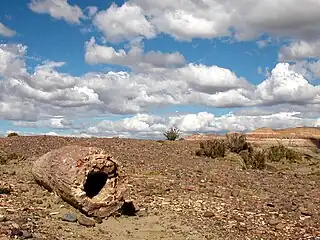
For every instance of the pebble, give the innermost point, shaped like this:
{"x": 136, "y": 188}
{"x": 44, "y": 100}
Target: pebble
{"x": 3, "y": 218}
{"x": 209, "y": 214}
{"x": 69, "y": 217}
{"x": 235, "y": 192}
{"x": 142, "y": 213}
{"x": 306, "y": 211}
{"x": 280, "y": 226}
{"x": 85, "y": 221}
{"x": 27, "y": 235}
{"x": 16, "y": 232}
{"x": 39, "y": 201}
{"x": 274, "y": 221}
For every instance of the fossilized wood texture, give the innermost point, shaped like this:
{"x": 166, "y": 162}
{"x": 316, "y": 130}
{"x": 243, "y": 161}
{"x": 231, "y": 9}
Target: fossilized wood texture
{"x": 65, "y": 172}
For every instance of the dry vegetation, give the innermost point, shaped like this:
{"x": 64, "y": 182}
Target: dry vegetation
{"x": 229, "y": 189}
{"x": 252, "y": 158}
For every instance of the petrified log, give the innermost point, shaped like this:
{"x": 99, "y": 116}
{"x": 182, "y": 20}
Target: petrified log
{"x": 85, "y": 177}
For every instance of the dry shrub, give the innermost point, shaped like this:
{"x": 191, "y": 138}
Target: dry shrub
{"x": 254, "y": 159}
{"x": 237, "y": 142}
{"x": 13, "y": 134}
{"x": 280, "y": 152}
{"x": 172, "y": 134}
{"x": 212, "y": 148}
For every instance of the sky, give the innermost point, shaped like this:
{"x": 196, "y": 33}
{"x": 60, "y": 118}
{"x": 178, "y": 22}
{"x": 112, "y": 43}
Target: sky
{"x": 136, "y": 68}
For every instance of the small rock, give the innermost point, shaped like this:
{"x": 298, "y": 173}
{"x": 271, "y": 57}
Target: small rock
{"x": 209, "y": 214}
{"x": 16, "y": 232}
{"x": 3, "y": 218}
{"x": 4, "y": 238}
{"x": 235, "y": 192}
{"x": 142, "y": 213}
{"x": 280, "y": 226}
{"x": 69, "y": 217}
{"x": 85, "y": 221}
{"x": 27, "y": 235}
{"x": 274, "y": 221}
{"x": 306, "y": 211}
{"x": 15, "y": 226}
{"x": 39, "y": 201}
{"x": 270, "y": 205}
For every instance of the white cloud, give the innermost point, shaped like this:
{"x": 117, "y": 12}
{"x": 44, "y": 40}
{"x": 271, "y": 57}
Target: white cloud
{"x": 309, "y": 69}
{"x": 187, "y": 19}
{"x": 11, "y": 62}
{"x": 59, "y": 9}
{"x": 5, "y": 31}
{"x": 286, "y": 86}
{"x": 92, "y": 10}
{"x": 126, "y": 22}
{"x": 300, "y": 50}
{"x": 151, "y": 126}
{"x": 46, "y": 91}
{"x": 135, "y": 58}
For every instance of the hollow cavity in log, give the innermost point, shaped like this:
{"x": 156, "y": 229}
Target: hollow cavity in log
{"x": 94, "y": 183}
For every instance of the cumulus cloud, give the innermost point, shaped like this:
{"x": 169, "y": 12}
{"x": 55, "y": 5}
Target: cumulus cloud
{"x": 11, "y": 62}
{"x": 59, "y": 9}
{"x": 135, "y": 58}
{"x": 46, "y": 91}
{"x": 300, "y": 50}
{"x": 151, "y": 126}
{"x": 126, "y": 22}
{"x": 286, "y": 86}
{"x": 54, "y": 123}
{"x": 309, "y": 69}
{"x": 5, "y": 31}
{"x": 188, "y": 19}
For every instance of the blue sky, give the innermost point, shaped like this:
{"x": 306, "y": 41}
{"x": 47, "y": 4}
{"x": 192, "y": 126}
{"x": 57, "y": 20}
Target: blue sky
{"x": 135, "y": 68}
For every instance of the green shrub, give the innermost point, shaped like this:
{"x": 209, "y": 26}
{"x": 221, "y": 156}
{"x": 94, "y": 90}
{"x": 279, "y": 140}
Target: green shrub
{"x": 13, "y": 134}
{"x": 237, "y": 142}
{"x": 212, "y": 148}
{"x": 280, "y": 152}
{"x": 172, "y": 134}
{"x": 254, "y": 159}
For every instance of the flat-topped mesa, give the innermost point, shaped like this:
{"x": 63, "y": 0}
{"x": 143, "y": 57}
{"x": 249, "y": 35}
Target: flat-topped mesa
{"x": 85, "y": 177}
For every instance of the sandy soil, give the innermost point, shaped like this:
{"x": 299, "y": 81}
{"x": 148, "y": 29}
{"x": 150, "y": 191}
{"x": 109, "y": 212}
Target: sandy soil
{"x": 180, "y": 195}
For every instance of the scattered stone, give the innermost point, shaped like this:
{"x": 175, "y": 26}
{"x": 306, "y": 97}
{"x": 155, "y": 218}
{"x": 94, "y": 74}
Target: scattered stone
{"x": 142, "y": 213}
{"x": 280, "y": 226}
{"x": 306, "y": 211}
{"x": 235, "y": 192}
{"x": 208, "y": 214}
{"x": 16, "y": 232}
{"x": 4, "y": 238}
{"x": 39, "y": 201}
{"x": 27, "y": 235}
{"x": 69, "y": 217}
{"x": 5, "y": 190}
{"x": 3, "y": 218}
{"x": 85, "y": 221}
{"x": 15, "y": 226}
{"x": 270, "y": 205}
{"x": 274, "y": 221}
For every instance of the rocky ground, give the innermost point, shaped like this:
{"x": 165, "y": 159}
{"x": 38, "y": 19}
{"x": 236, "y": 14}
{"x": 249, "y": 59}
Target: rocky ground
{"x": 180, "y": 195}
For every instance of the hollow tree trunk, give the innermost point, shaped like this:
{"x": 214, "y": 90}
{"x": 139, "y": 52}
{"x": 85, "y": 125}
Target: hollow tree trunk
{"x": 85, "y": 177}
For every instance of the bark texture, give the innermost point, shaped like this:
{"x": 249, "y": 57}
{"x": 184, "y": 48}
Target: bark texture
{"x": 77, "y": 174}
